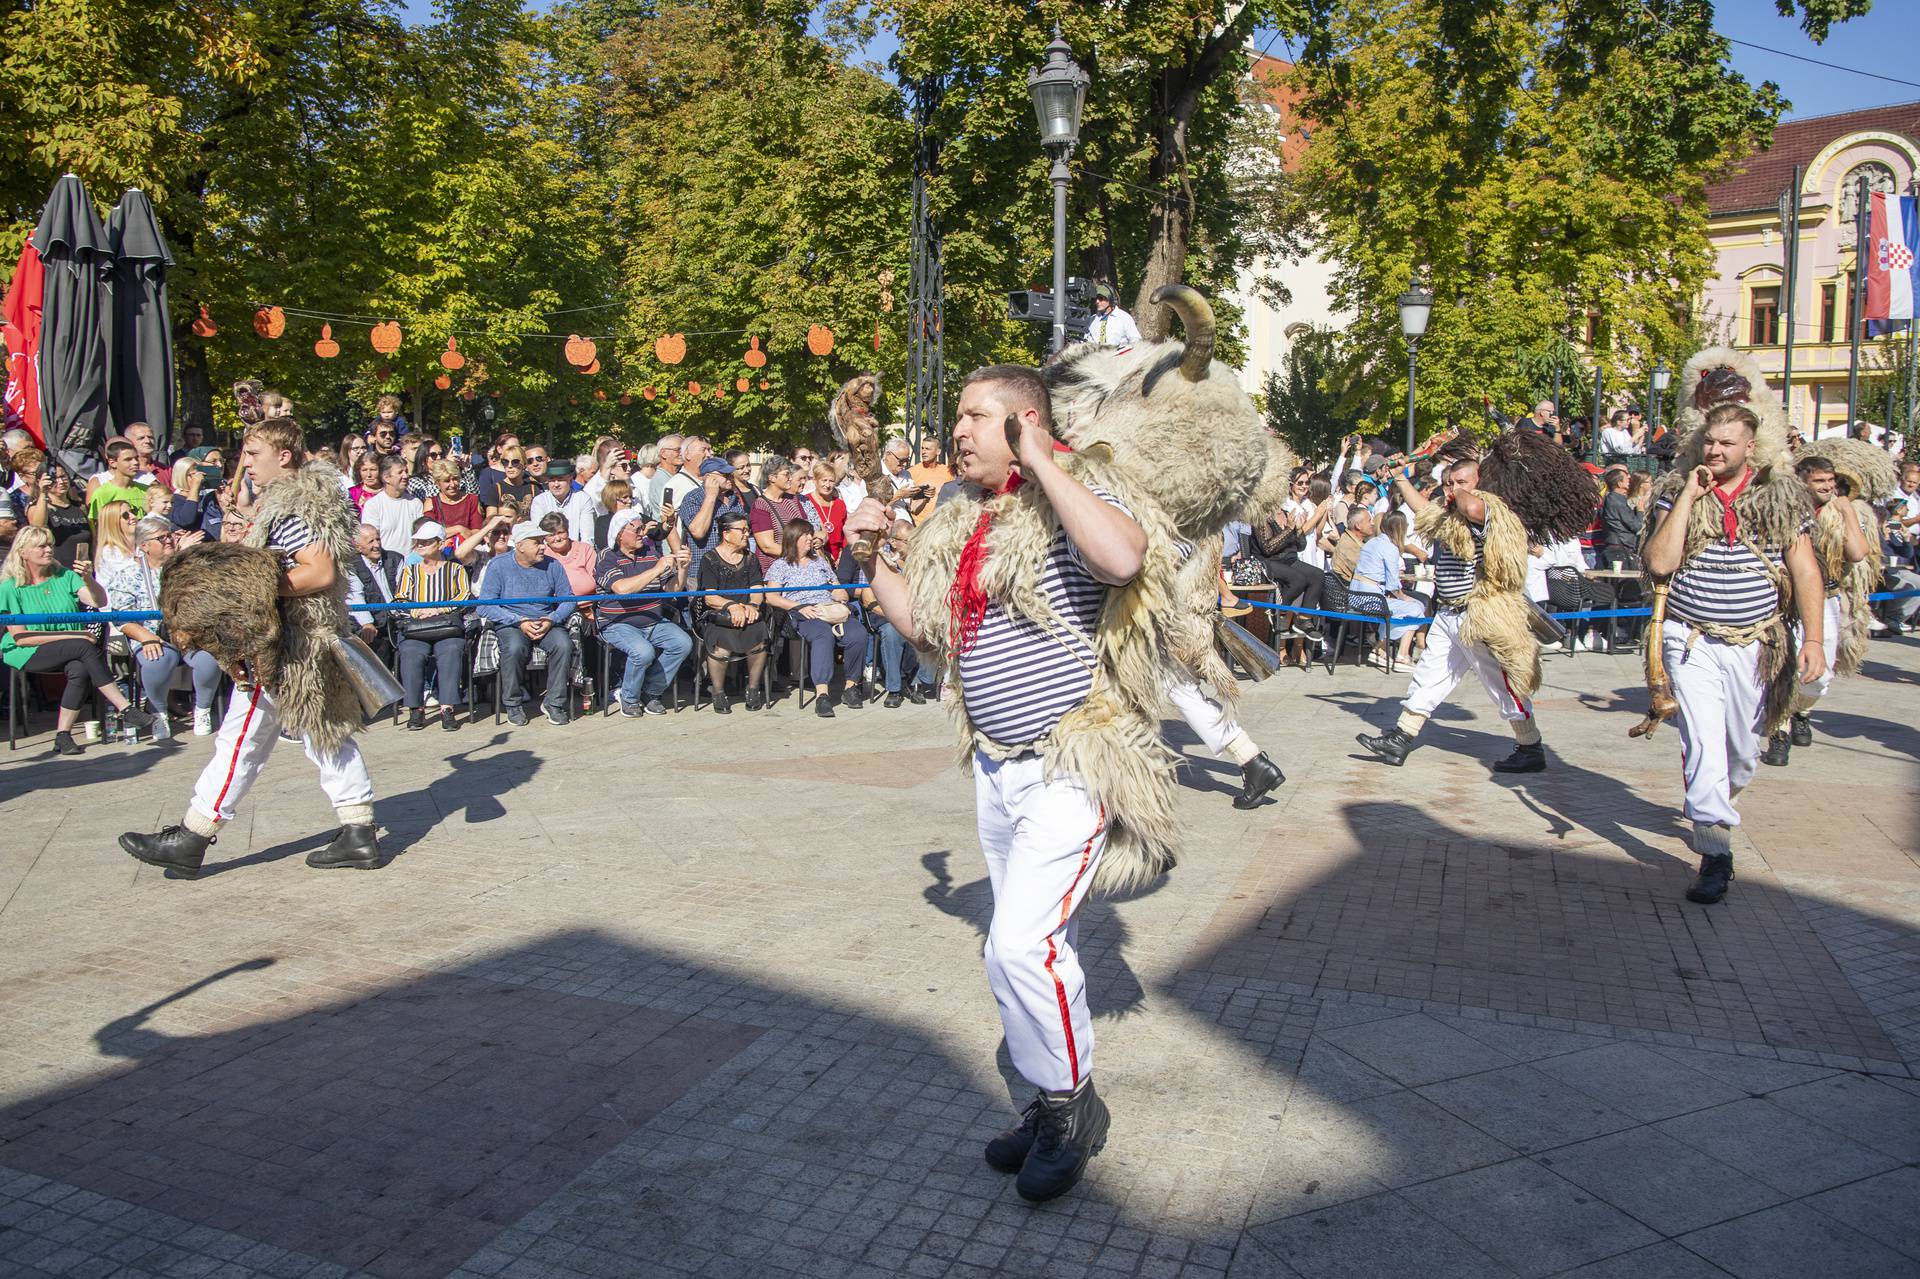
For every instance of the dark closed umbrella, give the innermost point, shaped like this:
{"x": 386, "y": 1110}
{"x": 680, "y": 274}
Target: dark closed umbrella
{"x": 75, "y": 317}
{"x": 141, "y": 344}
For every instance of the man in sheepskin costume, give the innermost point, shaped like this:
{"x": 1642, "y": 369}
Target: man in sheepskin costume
{"x": 1843, "y": 477}
{"x": 1052, "y": 599}
{"x": 1729, "y": 550}
{"x": 271, "y": 611}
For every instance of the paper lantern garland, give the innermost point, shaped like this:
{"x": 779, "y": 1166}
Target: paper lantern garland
{"x": 326, "y": 348}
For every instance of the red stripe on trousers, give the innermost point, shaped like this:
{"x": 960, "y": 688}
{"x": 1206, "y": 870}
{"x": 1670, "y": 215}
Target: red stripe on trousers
{"x": 1066, "y": 909}
{"x": 233, "y": 766}
{"x": 1518, "y": 700}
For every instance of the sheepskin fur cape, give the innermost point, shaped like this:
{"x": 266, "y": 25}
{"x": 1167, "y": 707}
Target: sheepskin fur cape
{"x": 314, "y": 699}
{"x": 1498, "y": 615}
{"x": 1111, "y": 742}
{"x": 1856, "y": 580}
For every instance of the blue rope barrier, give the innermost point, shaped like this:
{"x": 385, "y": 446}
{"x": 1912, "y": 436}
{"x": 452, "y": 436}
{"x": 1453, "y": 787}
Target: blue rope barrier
{"x": 86, "y": 618}
{"x": 1585, "y": 615}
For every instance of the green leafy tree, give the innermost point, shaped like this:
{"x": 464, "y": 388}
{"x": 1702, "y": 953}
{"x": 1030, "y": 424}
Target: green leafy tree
{"x": 1537, "y": 163}
{"x": 1309, "y": 400}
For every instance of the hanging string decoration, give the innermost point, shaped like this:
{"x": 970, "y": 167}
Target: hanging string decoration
{"x": 443, "y": 382}
{"x": 204, "y": 326}
{"x": 451, "y": 358}
{"x": 591, "y": 369}
{"x": 326, "y": 348}
{"x": 647, "y": 393}
{"x": 741, "y": 384}
{"x": 755, "y": 358}
{"x": 820, "y": 339}
{"x": 269, "y": 321}
{"x": 581, "y": 352}
{"x": 385, "y": 337}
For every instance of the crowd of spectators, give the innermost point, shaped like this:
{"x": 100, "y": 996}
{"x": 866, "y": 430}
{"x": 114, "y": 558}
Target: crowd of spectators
{"x": 765, "y": 585}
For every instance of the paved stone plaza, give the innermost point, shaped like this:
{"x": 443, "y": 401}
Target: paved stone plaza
{"x": 703, "y": 996}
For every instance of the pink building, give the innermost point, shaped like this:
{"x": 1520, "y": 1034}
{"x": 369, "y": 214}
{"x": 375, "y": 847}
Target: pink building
{"x": 1745, "y": 304}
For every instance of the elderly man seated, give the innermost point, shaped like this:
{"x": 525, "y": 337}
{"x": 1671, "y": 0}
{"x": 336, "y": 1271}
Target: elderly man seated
{"x": 654, "y": 646}
{"x": 135, "y": 587}
{"x": 528, "y": 574}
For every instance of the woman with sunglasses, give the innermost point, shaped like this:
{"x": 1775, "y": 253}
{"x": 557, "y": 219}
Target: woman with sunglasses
{"x": 510, "y": 483}
{"x": 421, "y": 455}
{"x": 450, "y": 505}
{"x": 113, "y": 537}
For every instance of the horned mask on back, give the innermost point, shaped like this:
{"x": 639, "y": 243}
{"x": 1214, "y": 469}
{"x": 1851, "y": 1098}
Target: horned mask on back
{"x": 1172, "y": 416}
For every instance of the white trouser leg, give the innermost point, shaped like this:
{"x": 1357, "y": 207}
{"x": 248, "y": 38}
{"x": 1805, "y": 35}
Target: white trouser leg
{"x": 245, "y": 743}
{"x": 1718, "y": 688}
{"x": 1204, "y": 716}
{"x": 1830, "y": 644}
{"x": 1440, "y": 667}
{"x": 1042, "y": 840}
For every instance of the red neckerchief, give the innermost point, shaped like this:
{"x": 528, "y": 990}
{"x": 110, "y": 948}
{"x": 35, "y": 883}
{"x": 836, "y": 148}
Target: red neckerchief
{"x": 1729, "y": 522}
{"x": 967, "y": 598}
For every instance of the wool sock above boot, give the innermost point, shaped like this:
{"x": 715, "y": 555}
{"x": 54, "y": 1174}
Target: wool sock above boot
{"x": 199, "y": 824}
{"x": 1242, "y": 750}
{"x": 1526, "y": 731}
{"x": 1410, "y": 723}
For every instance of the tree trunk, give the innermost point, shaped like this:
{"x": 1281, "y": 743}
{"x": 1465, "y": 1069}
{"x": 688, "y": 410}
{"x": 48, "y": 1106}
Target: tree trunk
{"x": 193, "y": 383}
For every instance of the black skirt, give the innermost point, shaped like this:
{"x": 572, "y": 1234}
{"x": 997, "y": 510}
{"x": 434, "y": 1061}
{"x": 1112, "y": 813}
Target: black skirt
{"x": 734, "y": 640}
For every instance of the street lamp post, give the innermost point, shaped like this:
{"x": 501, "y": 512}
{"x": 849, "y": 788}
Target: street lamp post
{"x": 1416, "y": 307}
{"x": 1662, "y": 378}
{"x": 1059, "y": 90}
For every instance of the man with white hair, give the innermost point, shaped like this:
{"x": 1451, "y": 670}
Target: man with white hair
{"x": 669, "y": 466}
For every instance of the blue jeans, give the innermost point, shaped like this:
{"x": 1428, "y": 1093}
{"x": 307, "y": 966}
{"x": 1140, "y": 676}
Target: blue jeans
{"x": 157, "y": 675}
{"x": 449, "y": 660}
{"x": 898, "y": 660}
{"x": 516, "y": 648}
{"x": 821, "y": 642}
{"x": 654, "y": 652}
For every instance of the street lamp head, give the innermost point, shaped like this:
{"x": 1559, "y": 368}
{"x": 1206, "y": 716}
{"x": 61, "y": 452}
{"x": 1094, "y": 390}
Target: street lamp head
{"x": 1416, "y": 307}
{"x": 1662, "y": 376}
{"x": 1059, "y": 89}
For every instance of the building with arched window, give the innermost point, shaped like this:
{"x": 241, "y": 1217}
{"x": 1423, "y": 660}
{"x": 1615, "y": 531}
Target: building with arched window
{"x": 1746, "y": 304}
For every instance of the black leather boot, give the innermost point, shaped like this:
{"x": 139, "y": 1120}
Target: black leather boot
{"x": 1260, "y": 777}
{"x": 1777, "y": 751}
{"x": 1525, "y": 759}
{"x": 354, "y": 848}
{"x": 1710, "y": 885}
{"x": 1802, "y": 730}
{"x": 1070, "y": 1128}
{"x": 174, "y": 848}
{"x": 1008, "y": 1151}
{"x": 1390, "y": 747}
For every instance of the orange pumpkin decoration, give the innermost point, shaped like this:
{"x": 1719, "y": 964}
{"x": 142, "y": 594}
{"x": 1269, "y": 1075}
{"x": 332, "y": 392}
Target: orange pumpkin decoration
{"x": 820, "y": 339}
{"x": 451, "y": 357}
{"x": 693, "y": 388}
{"x": 204, "y": 326}
{"x": 386, "y": 337}
{"x": 625, "y": 400}
{"x": 444, "y": 382}
{"x": 384, "y": 372}
{"x": 876, "y": 335}
{"x": 269, "y": 321}
{"x": 647, "y": 393}
{"x": 466, "y": 393}
{"x": 719, "y": 392}
{"x": 580, "y": 351}
{"x": 591, "y": 369}
{"x": 741, "y": 384}
{"x": 575, "y": 403}
{"x": 326, "y": 348}
{"x": 671, "y": 348}
{"x": 764, "y": 384}
{"x": 755, "y": 357}
{"x": 600, "y": 395}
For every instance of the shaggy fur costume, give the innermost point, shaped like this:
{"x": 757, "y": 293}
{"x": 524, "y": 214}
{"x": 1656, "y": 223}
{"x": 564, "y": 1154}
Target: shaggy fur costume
{"x": 1868, "y": 470}
{"x": 1550, "y": 492}
{"x": 1498, "y": 615}
{"x": 224, "y": 599}
{"x": 314, "y": 699}
{"x": 1771, "y": 509}
{"x": 1111, "y": 742}
{"x": 857, "y": 429}
{"x": 1871, "y": 475}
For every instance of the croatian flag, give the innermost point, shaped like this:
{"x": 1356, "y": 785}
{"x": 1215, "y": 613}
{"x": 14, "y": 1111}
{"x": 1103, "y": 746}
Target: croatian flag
{"x": 1893, "y": 257}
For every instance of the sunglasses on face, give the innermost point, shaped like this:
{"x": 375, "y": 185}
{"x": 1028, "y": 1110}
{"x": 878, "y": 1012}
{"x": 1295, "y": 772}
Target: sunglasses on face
{"x": 511, "y": 461}
{"x": 435, "y": 453}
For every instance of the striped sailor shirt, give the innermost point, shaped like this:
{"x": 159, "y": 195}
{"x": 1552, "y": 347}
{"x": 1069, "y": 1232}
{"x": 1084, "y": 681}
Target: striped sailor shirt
{"x": 289, "y": 535}
{"x": 1020, "y": 677}
{"x": 1725, "y": 584}
{"x": 1453, "y": 577}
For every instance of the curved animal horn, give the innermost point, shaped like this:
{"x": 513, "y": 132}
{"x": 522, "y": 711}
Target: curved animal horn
{"x": 1196, "y": 317}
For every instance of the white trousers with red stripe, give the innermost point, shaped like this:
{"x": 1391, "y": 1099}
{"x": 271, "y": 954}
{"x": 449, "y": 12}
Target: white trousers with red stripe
{"x": 1447, "y": 660}
{"x": 1042, "y": 839}
{"x": 1721, "y": 699}
{"x": 246, "y": 741}
{"x": 1209, "y": 719}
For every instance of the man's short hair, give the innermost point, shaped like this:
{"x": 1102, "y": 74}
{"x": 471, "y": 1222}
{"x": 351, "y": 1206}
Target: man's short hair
{"x": 670, "y": 441}
{"x": 1724, "y": 413}
{"x": 393, "y": 464}
{"x": 553, "y": 522}
{"x": 1021, "y": 385}
{"x": 1813, "y": 464}
{"x": 1620, "y": 415}
{"x": 281, "y": 434}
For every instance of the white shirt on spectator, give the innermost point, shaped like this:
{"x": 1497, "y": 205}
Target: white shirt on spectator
{"x": 578, "y": 506}
{"x": 1115, "y": 328}
{"x": 394, "y": 517}
{"x": 1617, "y": 439}
{"x": 1310, "y": 554}
{"x": 1556, "y": 555}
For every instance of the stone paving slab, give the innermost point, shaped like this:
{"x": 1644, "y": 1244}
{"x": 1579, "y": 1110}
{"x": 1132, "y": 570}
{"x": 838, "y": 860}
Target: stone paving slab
{"x": 699, "y": 996}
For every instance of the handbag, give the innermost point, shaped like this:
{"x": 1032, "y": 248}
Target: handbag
{"x": 1247, "y": 571}
{"x": 431, "y": 630}
{"x": 832, "y": 612}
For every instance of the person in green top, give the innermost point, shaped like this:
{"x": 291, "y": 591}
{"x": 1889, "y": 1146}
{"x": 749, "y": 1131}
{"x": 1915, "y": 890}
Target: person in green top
{"x": 32, "y": 582}
{"x": 116, "y": 483}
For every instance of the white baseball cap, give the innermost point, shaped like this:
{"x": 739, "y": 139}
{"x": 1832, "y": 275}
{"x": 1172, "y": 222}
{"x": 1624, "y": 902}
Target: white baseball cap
{"x": 621, "y": 519}
{"x": 429, "y": 531}
{"x": 527, "y": 529}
